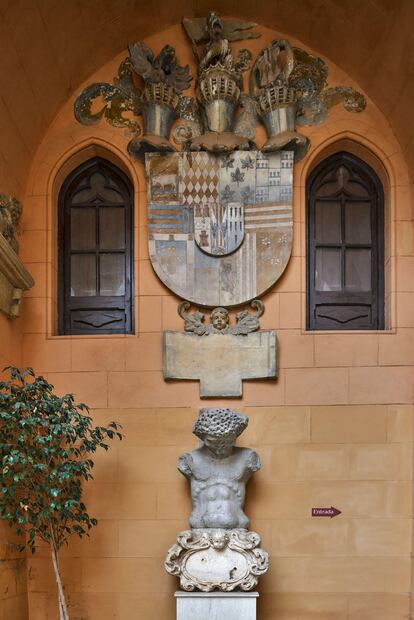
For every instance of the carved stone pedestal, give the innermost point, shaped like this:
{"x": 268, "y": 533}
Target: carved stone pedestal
{"x": 217, "y": 559}
{"x": 216, "y": 605}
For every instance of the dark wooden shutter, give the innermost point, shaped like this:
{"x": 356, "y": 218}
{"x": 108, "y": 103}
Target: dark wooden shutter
{"x": 345, "y": 245}
{"x": 95, "y": 250}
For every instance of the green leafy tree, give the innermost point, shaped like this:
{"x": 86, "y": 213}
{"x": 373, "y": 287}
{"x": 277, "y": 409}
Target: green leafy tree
{"x": 46, "y": 443}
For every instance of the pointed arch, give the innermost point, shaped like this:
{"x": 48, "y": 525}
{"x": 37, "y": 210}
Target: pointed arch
{"x": 345, "y": 245}
{"x": 95, "y": 250}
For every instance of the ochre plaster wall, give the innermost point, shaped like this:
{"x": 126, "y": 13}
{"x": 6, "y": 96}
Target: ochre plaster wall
{"x": 11, "y": 341}
{"x": 13, "y": 578}
{"x": 353, "y": 567}
{"x": 36, "y": 79}
{"x": 335, "y": 428}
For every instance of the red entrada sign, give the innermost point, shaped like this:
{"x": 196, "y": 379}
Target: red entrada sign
{"x": 326, "y": 512}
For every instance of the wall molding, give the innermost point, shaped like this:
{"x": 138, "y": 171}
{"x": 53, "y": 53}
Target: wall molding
{"x": 14, "y": 279}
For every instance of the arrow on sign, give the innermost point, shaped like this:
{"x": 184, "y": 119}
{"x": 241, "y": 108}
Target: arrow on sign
{"x": 326, "y": 512}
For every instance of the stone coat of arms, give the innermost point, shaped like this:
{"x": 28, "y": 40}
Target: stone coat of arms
{"x": 220, "y": 226}
{"x": 219, "y": 207}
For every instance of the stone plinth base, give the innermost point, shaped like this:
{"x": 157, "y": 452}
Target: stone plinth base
{"x": 216, "y": 605}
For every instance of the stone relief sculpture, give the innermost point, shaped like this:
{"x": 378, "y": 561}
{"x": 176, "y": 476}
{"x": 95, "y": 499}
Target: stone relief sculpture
{"x": 220, "y": 227}
{"x": 287, "y": 87}
{"x": 218, "y": 354}
{"x": 164, "y": 81}
{"x": 118, "y": 98}
{"x": 10, "y": 213}
{"x": 246, "y": 321}
{"x": 196, "y": 29}
{"x": 218, "y": 552}
{"x": 314, "y": 98}
{"x": 159, "y": 101}
{"x": 276, "y": 100}
{"x": 220, "y": 212}
{"x": 219, "y": 86}
{"x": 14, "y": 277}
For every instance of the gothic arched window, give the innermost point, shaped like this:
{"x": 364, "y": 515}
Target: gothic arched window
{"x": 345, "y": 245}
{"x": 95, "y": 250}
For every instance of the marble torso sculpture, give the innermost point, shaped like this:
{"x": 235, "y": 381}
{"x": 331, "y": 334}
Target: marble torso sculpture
{"x": 218, "y": 471}
{"x": 219, "y": 552}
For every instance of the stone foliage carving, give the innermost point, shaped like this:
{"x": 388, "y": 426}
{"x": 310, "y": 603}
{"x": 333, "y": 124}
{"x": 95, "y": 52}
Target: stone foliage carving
{"x": 288, "y": 87}
{"x": 158, "y": 101}
{"x": 118, "y": 98}
{"x": 218, "y": 552}
{"x": 246, "y": 321}
{"x": 314, "y": 98}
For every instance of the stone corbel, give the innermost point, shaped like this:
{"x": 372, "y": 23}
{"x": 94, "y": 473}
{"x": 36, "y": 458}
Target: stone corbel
{"x": 14, "y": 279}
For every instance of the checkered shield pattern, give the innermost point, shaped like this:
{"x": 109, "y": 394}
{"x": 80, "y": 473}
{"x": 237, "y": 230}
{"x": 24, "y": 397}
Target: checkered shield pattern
{"x": 200, "y": 178}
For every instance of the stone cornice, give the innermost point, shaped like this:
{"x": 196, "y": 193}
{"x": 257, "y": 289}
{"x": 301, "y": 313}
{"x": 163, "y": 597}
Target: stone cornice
{"x": 14, "y": 279}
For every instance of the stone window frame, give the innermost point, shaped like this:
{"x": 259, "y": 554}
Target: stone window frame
{"x": 95, "y": 314}
{"x": 391, "y": 179}
{"x": 345, "y": 309}
{"x": 69, "y": 160}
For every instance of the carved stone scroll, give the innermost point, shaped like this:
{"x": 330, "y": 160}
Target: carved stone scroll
{"x": 223, "y": 560}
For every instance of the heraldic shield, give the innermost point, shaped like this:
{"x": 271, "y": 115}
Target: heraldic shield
{"x": 220, "y": 227}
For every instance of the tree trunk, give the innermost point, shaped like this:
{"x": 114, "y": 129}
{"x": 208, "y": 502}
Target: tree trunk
{"x": 63, "y": 610}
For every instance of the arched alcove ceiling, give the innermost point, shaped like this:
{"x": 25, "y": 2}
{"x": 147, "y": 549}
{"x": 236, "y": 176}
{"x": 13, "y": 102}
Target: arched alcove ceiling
{"x": 49, "y": 47}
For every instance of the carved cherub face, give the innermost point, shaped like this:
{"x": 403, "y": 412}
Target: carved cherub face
{"x": 219, "y": 539}
{"x": 219, "y": 318}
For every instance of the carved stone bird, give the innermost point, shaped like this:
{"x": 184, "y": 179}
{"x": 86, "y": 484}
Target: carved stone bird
{"x": 217, "y": 49}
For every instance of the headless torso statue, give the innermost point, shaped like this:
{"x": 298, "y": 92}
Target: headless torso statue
{"x": 218, "y": 471}
{"x": 219, "y": 552}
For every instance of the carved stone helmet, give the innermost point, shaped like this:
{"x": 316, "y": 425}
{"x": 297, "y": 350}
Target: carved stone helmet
{"x": 219, "y": 422}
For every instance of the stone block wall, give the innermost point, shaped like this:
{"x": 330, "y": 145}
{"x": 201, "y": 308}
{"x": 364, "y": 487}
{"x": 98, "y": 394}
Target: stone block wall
{"x": 352, "y": 567}
{"x": 13, "y": 578}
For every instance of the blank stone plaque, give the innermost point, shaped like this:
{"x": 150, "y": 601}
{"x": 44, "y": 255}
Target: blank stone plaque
{"x": 216, "y": 605}
{"x": 220, "y": 362}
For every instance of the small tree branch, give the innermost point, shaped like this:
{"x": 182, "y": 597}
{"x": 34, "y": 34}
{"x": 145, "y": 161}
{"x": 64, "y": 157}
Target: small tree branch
{"x": 45, "y": 442}
{"x": 63, "y": 610}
